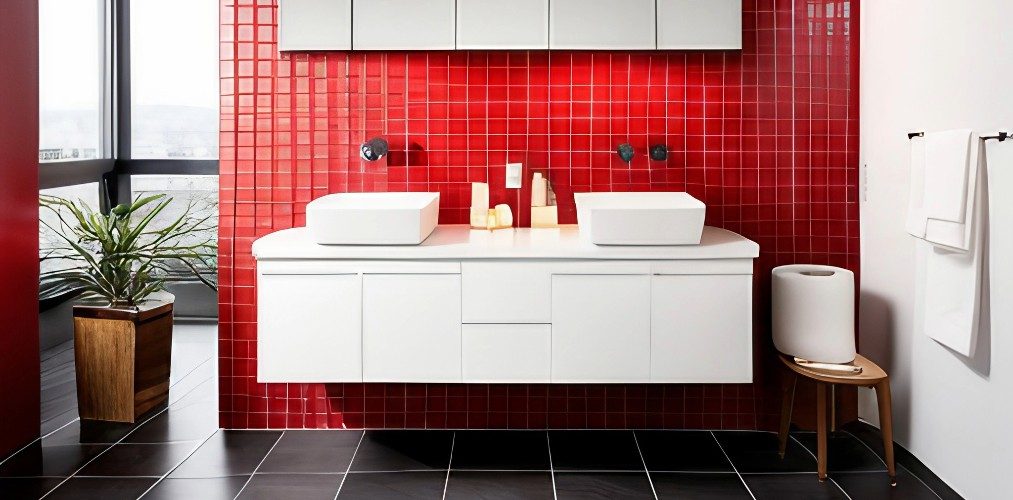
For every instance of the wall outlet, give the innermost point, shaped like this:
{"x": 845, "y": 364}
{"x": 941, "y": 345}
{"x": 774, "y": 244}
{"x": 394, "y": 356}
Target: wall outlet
{"x": 513, "y": 175}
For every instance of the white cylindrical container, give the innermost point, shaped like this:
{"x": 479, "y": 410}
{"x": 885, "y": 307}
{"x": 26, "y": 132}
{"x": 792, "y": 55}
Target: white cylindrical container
{"x": 813, "y": 309}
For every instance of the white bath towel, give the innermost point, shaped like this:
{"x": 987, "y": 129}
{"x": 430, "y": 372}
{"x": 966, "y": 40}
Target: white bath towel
{"x": 952, "y": 283}
{"x": 943, "y": 175}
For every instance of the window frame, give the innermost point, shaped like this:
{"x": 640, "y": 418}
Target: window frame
{"x": 113, "y": 171}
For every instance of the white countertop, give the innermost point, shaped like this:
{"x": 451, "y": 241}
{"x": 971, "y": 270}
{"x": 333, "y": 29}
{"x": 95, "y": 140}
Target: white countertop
{"x": 463, "y": 243}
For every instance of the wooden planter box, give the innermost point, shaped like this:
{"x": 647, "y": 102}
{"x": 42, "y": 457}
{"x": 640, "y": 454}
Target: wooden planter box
{"x": 122, "y": 359}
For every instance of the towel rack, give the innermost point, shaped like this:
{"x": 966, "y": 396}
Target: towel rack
{"x": 1001, "y": 135}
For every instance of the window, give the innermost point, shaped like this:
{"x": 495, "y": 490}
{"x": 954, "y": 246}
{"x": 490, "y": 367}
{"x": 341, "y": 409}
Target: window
{"x": 196, "y": 193}
{"x": 50, "y": 244}
{"x": 174, "y": 79}
{"x": 72, "y": 82}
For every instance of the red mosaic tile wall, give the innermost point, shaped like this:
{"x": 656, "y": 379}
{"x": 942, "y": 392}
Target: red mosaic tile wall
{"x": 767, "y": 137}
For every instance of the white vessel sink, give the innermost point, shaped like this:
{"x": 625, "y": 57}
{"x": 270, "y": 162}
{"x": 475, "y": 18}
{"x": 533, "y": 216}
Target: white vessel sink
{"x": 646, "y": 218}
{"x": 372, "y": 218}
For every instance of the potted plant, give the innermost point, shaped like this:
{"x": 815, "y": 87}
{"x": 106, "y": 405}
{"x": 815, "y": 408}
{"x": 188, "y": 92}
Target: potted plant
{"x": 117, "y": 265}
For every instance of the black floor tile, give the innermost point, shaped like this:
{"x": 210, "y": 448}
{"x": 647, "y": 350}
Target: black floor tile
{"x": 594, "y": 450}
{"x": 208, "y": 488}
{"x": 12, "y": 488}
{"x": 191, "y": 422}
{"x": 501, "y": 450}
{"x": 56, "y": 461}
{"x": 393, "y": 485}
{"x": 294, "y": 486}
{"x": 228, "y": 453}
{"x": 403, "y": 450}
{"x": 102, "y": 488}
{"x": 499, "y": 485}
{"x": 757, "y": 452}
{"x": 603, "y": 485}
{"x": 782, "y": 486}
{"x": 312, "y": 452}
{"x": 876, "y": 485}
{"x": 845, "y": 453}
{"x": 718, "y": 486}
{"x": 89, "y": 432}
{"x": 872, "y": 437}
{"x": 139, "y": 459}
{"x": 695, "y": 451}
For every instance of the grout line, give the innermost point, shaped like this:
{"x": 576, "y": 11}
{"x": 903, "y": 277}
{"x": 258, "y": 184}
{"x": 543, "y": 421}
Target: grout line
{"x": 104, "y": 451}
{"x": 450, "y": 462}
{"x": 350, "y": 461}
{"x": 817, "y": 461}
{"x": 644, "y": 462}
{"x": 552, "y": 468}
{"x": 734, "y": 468}
{"x": 866, "y": 445}
{"x": 247, "y": 483}
{"x": 166, "y": 475}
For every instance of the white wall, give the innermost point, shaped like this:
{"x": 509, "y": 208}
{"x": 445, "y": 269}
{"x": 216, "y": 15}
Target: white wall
{"x": 932, "y": 65}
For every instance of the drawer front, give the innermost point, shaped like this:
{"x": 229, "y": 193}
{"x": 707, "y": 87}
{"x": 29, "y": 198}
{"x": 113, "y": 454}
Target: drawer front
{"x": 506, "y": 353}
{"x": 506, "y": 292}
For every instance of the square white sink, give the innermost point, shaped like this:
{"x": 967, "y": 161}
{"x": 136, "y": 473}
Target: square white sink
{"x": 373, "y": 218}
{"x": 645, "y": 218}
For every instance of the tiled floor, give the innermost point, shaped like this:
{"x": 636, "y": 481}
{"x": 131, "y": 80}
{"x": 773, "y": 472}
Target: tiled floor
{"x": 178, "y": 453}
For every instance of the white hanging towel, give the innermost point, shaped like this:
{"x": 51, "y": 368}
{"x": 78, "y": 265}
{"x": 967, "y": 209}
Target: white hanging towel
{"x": 943, "y": 173}
{"x": 953, "y": 235}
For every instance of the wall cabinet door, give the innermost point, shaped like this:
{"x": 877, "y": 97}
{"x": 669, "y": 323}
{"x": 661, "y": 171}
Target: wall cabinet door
{"x": 309, "y": 328}
{"x": 315, "y": 25}
{"x": 602, "y": 24}
{"x": 699, "y": 24}
{"x": 403, "y": 24}
{"x": 411, "y": 327}
{"x": 701, "y": 328}
{"x": 601, "y": 328}
{"x": 499, "y": 24}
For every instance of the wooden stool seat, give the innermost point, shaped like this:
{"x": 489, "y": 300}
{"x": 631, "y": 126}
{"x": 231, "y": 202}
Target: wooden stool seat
{"x": 872, "y": 376}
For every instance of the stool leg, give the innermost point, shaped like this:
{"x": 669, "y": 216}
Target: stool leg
{"x": 821, "y": 430}
{"x": 787, "y": 402}
{"x": 886, "y": 426}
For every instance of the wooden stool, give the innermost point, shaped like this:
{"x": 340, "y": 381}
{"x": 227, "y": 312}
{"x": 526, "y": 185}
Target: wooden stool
{"x": 871, "y": 376}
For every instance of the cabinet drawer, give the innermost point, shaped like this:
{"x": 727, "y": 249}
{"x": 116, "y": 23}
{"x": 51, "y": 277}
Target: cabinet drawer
{"x": 701, "y": 329}
{"x": 506, "y": 292}
{"x": 506, "y": 353}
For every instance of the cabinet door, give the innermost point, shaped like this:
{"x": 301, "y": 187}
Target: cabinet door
{"x": 315, "y": 25}
{"x": 507, "y": 292}
{"x": 702, "y": 329}
{"x": 601, "y": 328}
{"x": 499, "y": 24}
{"x": 602, "y": 24}
{"x": 411, "y": 327}
{"x": 403, "y": 24}
{"x": 309, "y": 328}
{"x": 501, "y": 354}
{"x": 699, "y": 24}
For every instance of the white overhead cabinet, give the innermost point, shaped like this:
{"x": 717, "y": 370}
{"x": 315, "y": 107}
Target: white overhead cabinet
{"x": 315, "y": 25}
{"x": 699, "y": 24}
{"x": 309, "y": 328}
{"x": 502, "y": 24}
{"x": 602, "y": 24}
{"x": 403, "y": 24}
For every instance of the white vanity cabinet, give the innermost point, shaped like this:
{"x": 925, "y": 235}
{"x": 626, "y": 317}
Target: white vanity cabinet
{"x": 601, "y": 328}
{"x": 514, "y": 306}
{"x": 699, "y": 24}
{"x": 403, "y": 24}
{"x": 315, "y": 25}
{"x": 309, "y": 328}
{"x": 411, "y": 328}
{"x": 602, "y": 24}
{"x": 499, "y": 24}
{"x": 699, "y": 328}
